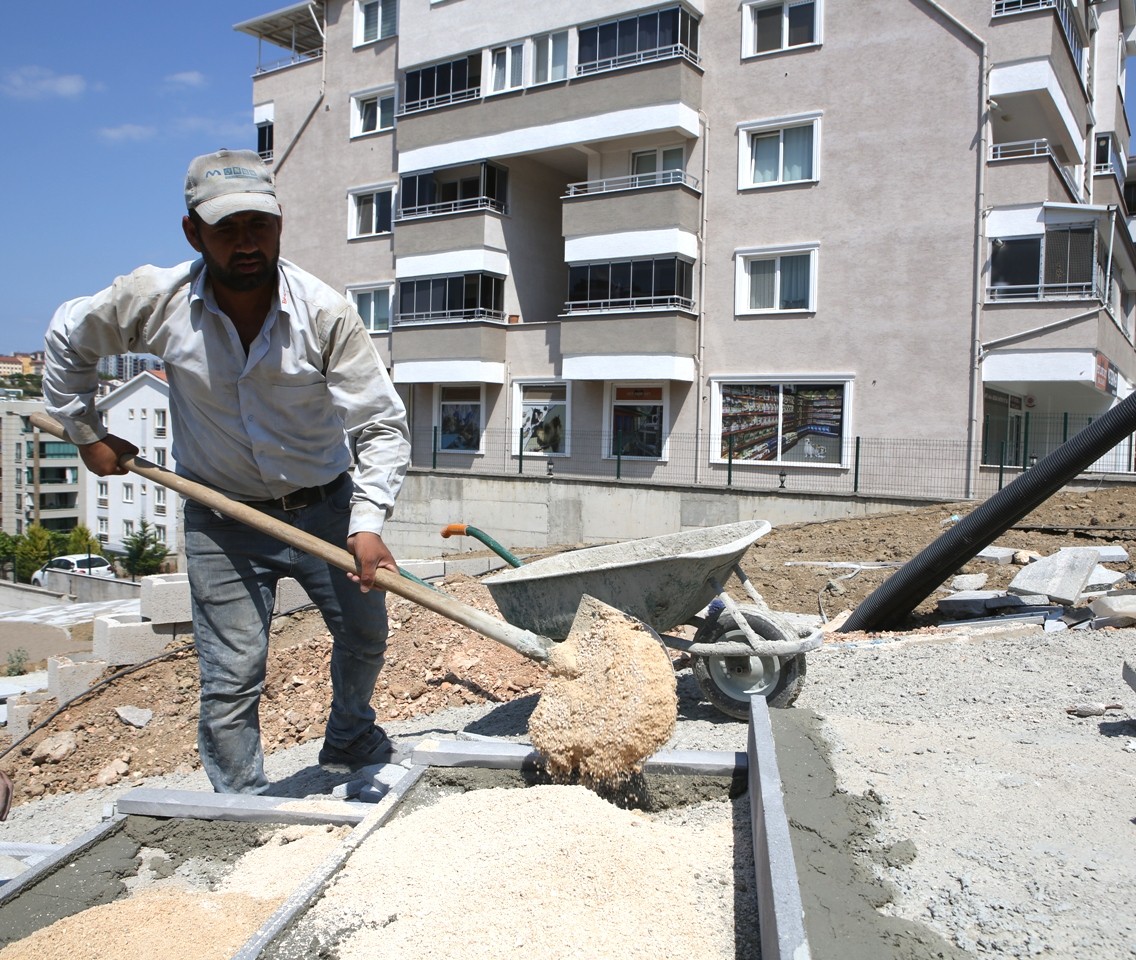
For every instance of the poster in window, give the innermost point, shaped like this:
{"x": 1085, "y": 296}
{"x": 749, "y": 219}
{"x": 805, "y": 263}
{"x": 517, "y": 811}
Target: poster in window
{"x": 460, "y": 415}
{"x": 637, "y": 422}
{"x": 788, "y": 423}
{"x": 544, "y": 418}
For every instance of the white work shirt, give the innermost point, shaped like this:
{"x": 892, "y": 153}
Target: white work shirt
{"x": 311, "y": 395}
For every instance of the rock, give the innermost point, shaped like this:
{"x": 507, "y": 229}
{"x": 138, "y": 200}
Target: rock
{"x": 1091, "y": 709}
{"x": 970, "y": 581}
{"x": 112, "y": 772}
{"x": 56, "y": 748}
{"x": 1023, "y": 558}
{"x": 134, "y": 716}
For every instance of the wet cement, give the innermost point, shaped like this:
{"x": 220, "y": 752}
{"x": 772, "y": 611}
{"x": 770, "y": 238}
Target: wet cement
{"x": 834, "y": 844}
{"x": 96, "y": 875}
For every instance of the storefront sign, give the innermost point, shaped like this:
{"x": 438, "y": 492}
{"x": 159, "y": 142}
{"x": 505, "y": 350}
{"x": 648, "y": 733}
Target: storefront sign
{"x": 1106, "y": 374}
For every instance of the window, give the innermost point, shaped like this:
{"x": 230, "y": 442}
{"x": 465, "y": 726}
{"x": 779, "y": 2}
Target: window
{"x": 373, "y": 305}
{"x": 371, "y": 213}
{"x": 778, "y": 151}
{"x": 508, "y": 67}
{"x": 778, "y": 25}
{"x": 550, "y": 54}
{"x": 542, "y": 411}
{"x": 160, "y": 533}
{"x": 374, "y": 20}
{"x": 1061, "y": 264}
{"x": 470, "y": 296}
{"x": 160, "y": 456}
{"x": 661, "y": 165}
{"x": 264, "y": 140}
{"x": 128, "y": 493}
{"x": 772, "y": 281}
{"x": 441, "y": 83}
{"x": 482, "y": 186}
{"x": 104, "y": 529}
{"x": 638, "y": 414}
{"x": 372, "y": 112}
{"x": 160, "y": 500}
{"x": 459, "y": 418}
{"x": 103, "y": 493}
{"x": 659, "y": 282}
{"x": 649, "y": 36}
{"x": 780, "y": 422}
{"x": 127, "y": 528}
{"x": 159, "y": 423}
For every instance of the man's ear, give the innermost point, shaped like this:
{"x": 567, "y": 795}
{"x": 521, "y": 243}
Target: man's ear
{"x": 189, "y": 228}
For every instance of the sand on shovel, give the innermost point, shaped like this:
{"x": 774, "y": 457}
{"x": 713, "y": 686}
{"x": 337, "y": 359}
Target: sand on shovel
{"x": 610, "y": 701}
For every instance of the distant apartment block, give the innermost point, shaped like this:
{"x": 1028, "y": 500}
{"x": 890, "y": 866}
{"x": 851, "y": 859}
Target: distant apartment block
{"x": 764, "y": 228}
{"x": 127, "y": 366}
{"x": 40, "y": 479}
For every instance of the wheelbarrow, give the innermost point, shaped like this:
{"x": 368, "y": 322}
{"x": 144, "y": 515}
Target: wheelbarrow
{"x": 738, "y": 650}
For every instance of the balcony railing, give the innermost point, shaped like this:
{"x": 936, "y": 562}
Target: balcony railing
{"x": 630, "y": 303}
{"x": 1024, "y": 149}
{"x": 440, "y": 100}
{"x": 1045, "y": 291}
{"x": 637, "y": 181}
{"x": 443, "y": 316}
{"x": 297, "y": 56}
{"x": 451, "y": 206}
{"x": 1064, "y": 13}
{"x": 642, "y": 56}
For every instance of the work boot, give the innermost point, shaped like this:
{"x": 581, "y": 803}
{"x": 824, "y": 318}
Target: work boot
{"x": 369, "y": 749}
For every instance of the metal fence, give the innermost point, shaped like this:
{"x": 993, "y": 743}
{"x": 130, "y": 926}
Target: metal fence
{"x": 868, "y": 466}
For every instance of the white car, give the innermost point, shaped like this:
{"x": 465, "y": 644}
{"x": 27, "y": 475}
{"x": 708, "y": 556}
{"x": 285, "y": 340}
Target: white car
{"x": 88, "y": 565}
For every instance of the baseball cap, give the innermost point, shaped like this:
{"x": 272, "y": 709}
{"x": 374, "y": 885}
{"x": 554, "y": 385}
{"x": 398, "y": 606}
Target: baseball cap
{"x": 227, "y": 182}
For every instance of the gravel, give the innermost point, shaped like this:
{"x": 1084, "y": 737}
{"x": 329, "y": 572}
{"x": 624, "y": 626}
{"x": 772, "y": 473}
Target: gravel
{"x": 1001, "y": 823}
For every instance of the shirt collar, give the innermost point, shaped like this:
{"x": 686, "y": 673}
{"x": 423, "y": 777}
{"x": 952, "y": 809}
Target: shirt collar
{"x": 200, "y": 290}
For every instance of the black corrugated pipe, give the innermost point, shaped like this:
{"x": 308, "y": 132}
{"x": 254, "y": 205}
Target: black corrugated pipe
{"x": 915, "y": 580}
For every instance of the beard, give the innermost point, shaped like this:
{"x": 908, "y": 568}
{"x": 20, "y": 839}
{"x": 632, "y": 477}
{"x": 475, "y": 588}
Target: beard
{"x": 238, "y": 280}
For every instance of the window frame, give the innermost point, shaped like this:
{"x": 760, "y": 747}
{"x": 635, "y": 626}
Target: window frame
{"x": 355, "y": 290}
{"x": 742, "y": 280}
{"x": 128, "y": 493}
{"x": 378, "y": 95}
{"x": 749, "y": 129}
{"x": 749, "y": 26}
{"x": 524, "y": 418}
{"x": 612, "y": 400}
{"x": 514, "y": 72}
{"x": 815, "y": 455}
{"x": 354, "y": 212}
{"x": 549, "y": 41}
{"x": 358, "y": 32}
{"x": 440, "y": 403}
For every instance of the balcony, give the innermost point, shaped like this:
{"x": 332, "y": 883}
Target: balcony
{"x": 295, "y": 28}
{"x": 625, "y": 345}
{"x": 629, "y": 305}
{"x": 1066, "y": 15}
{"x": 450, "y": 316}
{"x": 663, "y": 201}
{"x": 466, "y": 351}
{"x": 1054, "y": 178}
{"x": 468, "y": 205}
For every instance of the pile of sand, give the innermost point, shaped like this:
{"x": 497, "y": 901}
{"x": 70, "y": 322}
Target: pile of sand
{"x": 610, "y": 702}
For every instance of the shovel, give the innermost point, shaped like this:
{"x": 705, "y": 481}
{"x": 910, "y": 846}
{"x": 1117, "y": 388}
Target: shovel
{"x": 524, "y": 642}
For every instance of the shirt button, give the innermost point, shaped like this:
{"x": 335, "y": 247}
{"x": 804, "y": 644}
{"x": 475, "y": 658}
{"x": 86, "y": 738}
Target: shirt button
{"x": 250, "y": 419}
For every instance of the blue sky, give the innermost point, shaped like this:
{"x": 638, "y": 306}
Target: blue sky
{"x": 103, "y": 103}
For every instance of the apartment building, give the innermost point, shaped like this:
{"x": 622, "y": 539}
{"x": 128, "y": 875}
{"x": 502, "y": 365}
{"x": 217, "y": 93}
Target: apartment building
{"x": 744, "y": 233}
{"x": 39, "y": 475}
{"x": 137, "y": 411}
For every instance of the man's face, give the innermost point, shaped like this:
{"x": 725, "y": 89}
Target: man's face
{"x": 241, "y": 251}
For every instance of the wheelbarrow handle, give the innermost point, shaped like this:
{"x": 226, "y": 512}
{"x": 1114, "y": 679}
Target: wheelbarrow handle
{"x": 524, "y": 642}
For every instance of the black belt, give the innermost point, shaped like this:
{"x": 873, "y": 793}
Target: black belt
{"x": 298, "y": 499}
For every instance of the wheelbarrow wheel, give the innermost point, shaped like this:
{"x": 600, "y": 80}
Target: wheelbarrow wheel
{"x": 729, "y": 682}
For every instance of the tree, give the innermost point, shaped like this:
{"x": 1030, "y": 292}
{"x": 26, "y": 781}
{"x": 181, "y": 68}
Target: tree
{"x": 81, "y": 540}
{"x": 33, "y": 550}
{"x": 144, "y": 552}
{"x": 8, "y": 554}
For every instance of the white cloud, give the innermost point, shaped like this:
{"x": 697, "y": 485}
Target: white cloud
{"x": 40, "y": 83}
{"x": 127, "y": 132}
{"x": 187, "y": 78}
{"x": 231, "y": 132}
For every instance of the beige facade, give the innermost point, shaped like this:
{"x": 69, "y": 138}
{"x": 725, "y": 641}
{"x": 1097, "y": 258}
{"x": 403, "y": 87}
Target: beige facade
{"x": 39, "y": 475}
{"x": 757, "y": 231}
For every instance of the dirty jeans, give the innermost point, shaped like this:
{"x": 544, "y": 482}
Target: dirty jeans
{"x": 233, "y": 571}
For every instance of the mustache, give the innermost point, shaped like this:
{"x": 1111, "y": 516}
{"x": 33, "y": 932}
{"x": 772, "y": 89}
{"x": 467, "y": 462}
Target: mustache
{"x": 244, "y": 258}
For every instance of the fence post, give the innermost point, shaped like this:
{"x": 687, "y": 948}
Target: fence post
{"x": 856, "y": 469}
{"x": 521, "y": 451}
{"x": 434, "y": 451}
{"x": 1001, "y": 464}
{"x": 985, "y": 435}
{"x": 730, "y": 461}
{"x": 618, "y": 454}
{"x": 1025, "y": 441}
{"x": 1065, "y": 426}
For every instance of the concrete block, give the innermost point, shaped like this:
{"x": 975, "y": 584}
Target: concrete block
{"x": 1061, "y": 577}
{"x": 67, "y": 678}
{"x": 425, "y": 569}
{"x": 966, "y": 603}
{"x": 290, "y": 596}
{"x": 165, "y": 598}
{"x": 127, "y": 638}
{"x": 969, "y": 581}
{"x": 1112, "y": 553}
{"x": 20, "y": 710}
{"x": 1016, "y": 602}
{"x": 1104, "y": 579}
{"x": 999, "y": 555}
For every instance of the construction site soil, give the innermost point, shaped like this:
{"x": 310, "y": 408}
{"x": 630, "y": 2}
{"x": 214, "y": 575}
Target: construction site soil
{"x": 434, "y": 663}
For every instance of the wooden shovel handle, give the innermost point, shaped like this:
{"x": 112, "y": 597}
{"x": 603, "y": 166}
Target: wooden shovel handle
{"x": 524, "y": 642}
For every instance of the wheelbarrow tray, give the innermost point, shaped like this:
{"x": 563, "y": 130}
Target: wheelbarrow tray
{"x": 663, "y": 581}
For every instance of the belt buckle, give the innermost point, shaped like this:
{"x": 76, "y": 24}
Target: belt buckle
{"x": 295, "y": 500}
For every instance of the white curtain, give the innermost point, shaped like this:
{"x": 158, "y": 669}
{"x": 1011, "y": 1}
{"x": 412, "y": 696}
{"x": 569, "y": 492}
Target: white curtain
{"x": 798, "y": 154}
{"x": 762, "y": 275}
{"x": 795, "y": 282}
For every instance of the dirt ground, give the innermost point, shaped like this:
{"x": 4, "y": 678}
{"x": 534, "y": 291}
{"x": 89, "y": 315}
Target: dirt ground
{"x": 433, "y": 663}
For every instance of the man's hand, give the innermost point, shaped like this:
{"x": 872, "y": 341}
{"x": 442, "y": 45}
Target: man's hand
{"x": 101, "y": 457}
{"x": 370, "y": 553}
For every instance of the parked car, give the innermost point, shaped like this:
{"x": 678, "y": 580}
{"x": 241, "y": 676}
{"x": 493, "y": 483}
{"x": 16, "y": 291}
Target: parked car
{"x": 89, "y": 565}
